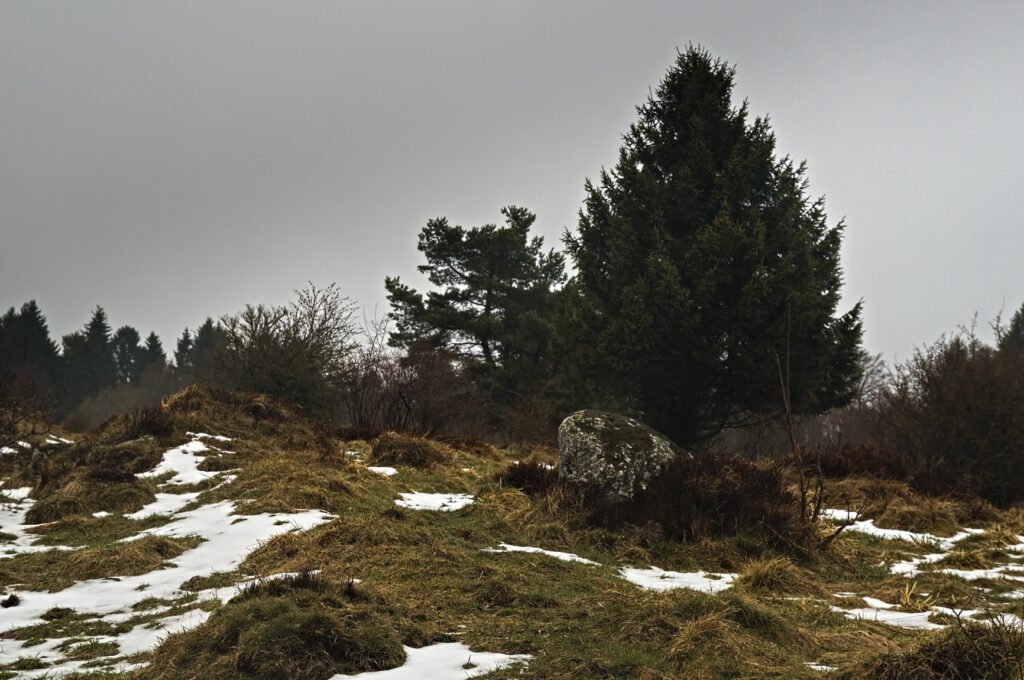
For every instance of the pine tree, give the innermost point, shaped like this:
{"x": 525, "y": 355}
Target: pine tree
{"x": 183, "y": 352}
{"x": 152, "y": 355}
{"x": 493, "y": 296}
{"x": 705, "y": 271}
{"x": 88, "y": 358}
{"x": 205, "y": 343}
{"x": 1012, "y": 338}
{"x": 127, "y": 355}
{"x": 26, "y": 349}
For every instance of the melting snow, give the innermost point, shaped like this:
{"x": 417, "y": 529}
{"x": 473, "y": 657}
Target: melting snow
{"x": 227, "y": 540}
{"x": 226, "y": 544}
{"x": 867, "y": 526}
{"x": 17, "y": 494}
{"x": 184, "y": 463}
{"x": 165, "y": 504}
{"x": 445, "y": 661}
{"x": 882, "y": 613}
{"x": 204, "y": 435}
{"x": 442, "y": 502}
{"x": 654, "y": 578}
{"x": 564, "y": 556}
{"x": 383, "y": 470}
{"x": 12, "y": 521}
{"x": 819, "y": 667}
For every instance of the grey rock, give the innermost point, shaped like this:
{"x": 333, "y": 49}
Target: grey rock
{"x": 618, "y": 454}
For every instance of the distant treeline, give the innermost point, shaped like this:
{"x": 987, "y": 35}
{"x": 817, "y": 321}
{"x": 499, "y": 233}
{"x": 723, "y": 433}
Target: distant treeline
{"x": 96, "y": 371}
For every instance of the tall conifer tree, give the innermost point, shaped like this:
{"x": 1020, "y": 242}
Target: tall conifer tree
{"x": 704, "y": 267}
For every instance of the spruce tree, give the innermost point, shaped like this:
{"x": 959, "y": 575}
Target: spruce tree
{"x": 183, "y": 352}
{"x": 153, "y": 355}
{"x": 705, "y": 270}
{"x": 88, "y": 358}
{"x": 127, "y": 355}
{"x": 1011, "y": 339}
{"x": 26, "y": 349}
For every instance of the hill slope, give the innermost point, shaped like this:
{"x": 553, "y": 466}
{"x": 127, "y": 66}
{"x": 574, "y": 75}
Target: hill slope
{"x": 223, "y": 537}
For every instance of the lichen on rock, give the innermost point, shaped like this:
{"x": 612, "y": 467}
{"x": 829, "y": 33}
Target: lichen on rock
{"x": 615, "y": 453}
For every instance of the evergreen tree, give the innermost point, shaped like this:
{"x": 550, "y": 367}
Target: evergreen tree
{"x": 1012, "y": 338}
{"x": 705, "y": 271}
{"x": 493, "y": 300}
{"x": 127, "y": 355}
{"x": 209, "y": 336}
{"x": 26, "y": 349}
{"x": 152, "y": 355}
{"x": 183, "y": 352}
{"x": 88, "y": 357}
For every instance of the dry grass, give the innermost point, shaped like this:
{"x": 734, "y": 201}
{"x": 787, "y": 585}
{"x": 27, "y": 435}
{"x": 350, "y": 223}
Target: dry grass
{"x": 303, "y": 628}
{"x": 55, "y": 570}
{"x": 529, "y": 477}
{"x": 774, "y": 576}
{"x": 393, "y": 448}
{"x": 969, "y": 652}
{"x": 423, "y": 575}
{"x": 82, "y": 497}
{"x": 711, "y": 633}
{"x": 921, "y": 514}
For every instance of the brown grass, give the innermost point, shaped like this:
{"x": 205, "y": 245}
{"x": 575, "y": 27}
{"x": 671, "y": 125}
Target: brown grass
{"x": 393, "y": 448}
{"x": 774, "y": 576}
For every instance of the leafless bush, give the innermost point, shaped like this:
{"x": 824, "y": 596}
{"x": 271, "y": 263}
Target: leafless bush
{"x": 419, "y": 391}
{"x": 956, "y": 411}
{"x": 24, "y": 408}
{"x": 297, "y": 353}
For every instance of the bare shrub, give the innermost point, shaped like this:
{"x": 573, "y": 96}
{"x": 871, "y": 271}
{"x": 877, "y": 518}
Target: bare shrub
{"x": 296, "y": 353}
{"x": 956, "y": 412}
{"x": 421, "y": 390}
{"x": 24, "y": 408}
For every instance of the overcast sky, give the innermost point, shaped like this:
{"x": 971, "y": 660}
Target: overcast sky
{"x": 174, "y": 160}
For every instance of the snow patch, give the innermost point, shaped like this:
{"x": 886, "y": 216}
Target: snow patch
{"x": 383, "y": 470}
{"x": 819, "y": 667}
{"x": 204, "y": 435}
{"x": 913, "y": 620}
{"x": 563, "y": 556}
{"x": 444, "y": 661}
{"x": 184, "y": 462}
{"x": 657, "y": 579}
{"x": 165, "y": 504}
{"x": 440, "y": 502}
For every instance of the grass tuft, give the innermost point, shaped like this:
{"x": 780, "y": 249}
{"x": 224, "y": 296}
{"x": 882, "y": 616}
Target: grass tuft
{"x": 393, "y": 448}
{"x": 968, "y": 652}
{"x": 773, "y": 575}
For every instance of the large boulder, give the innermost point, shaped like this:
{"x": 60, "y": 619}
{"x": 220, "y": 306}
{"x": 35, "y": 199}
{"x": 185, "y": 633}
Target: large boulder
{"x": 618, "y": 455}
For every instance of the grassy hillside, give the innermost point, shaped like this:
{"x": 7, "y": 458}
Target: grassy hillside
{"x": 300, "y": 563}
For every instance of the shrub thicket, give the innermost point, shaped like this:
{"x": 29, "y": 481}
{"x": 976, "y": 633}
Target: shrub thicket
{"x": 955, "y": 411}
